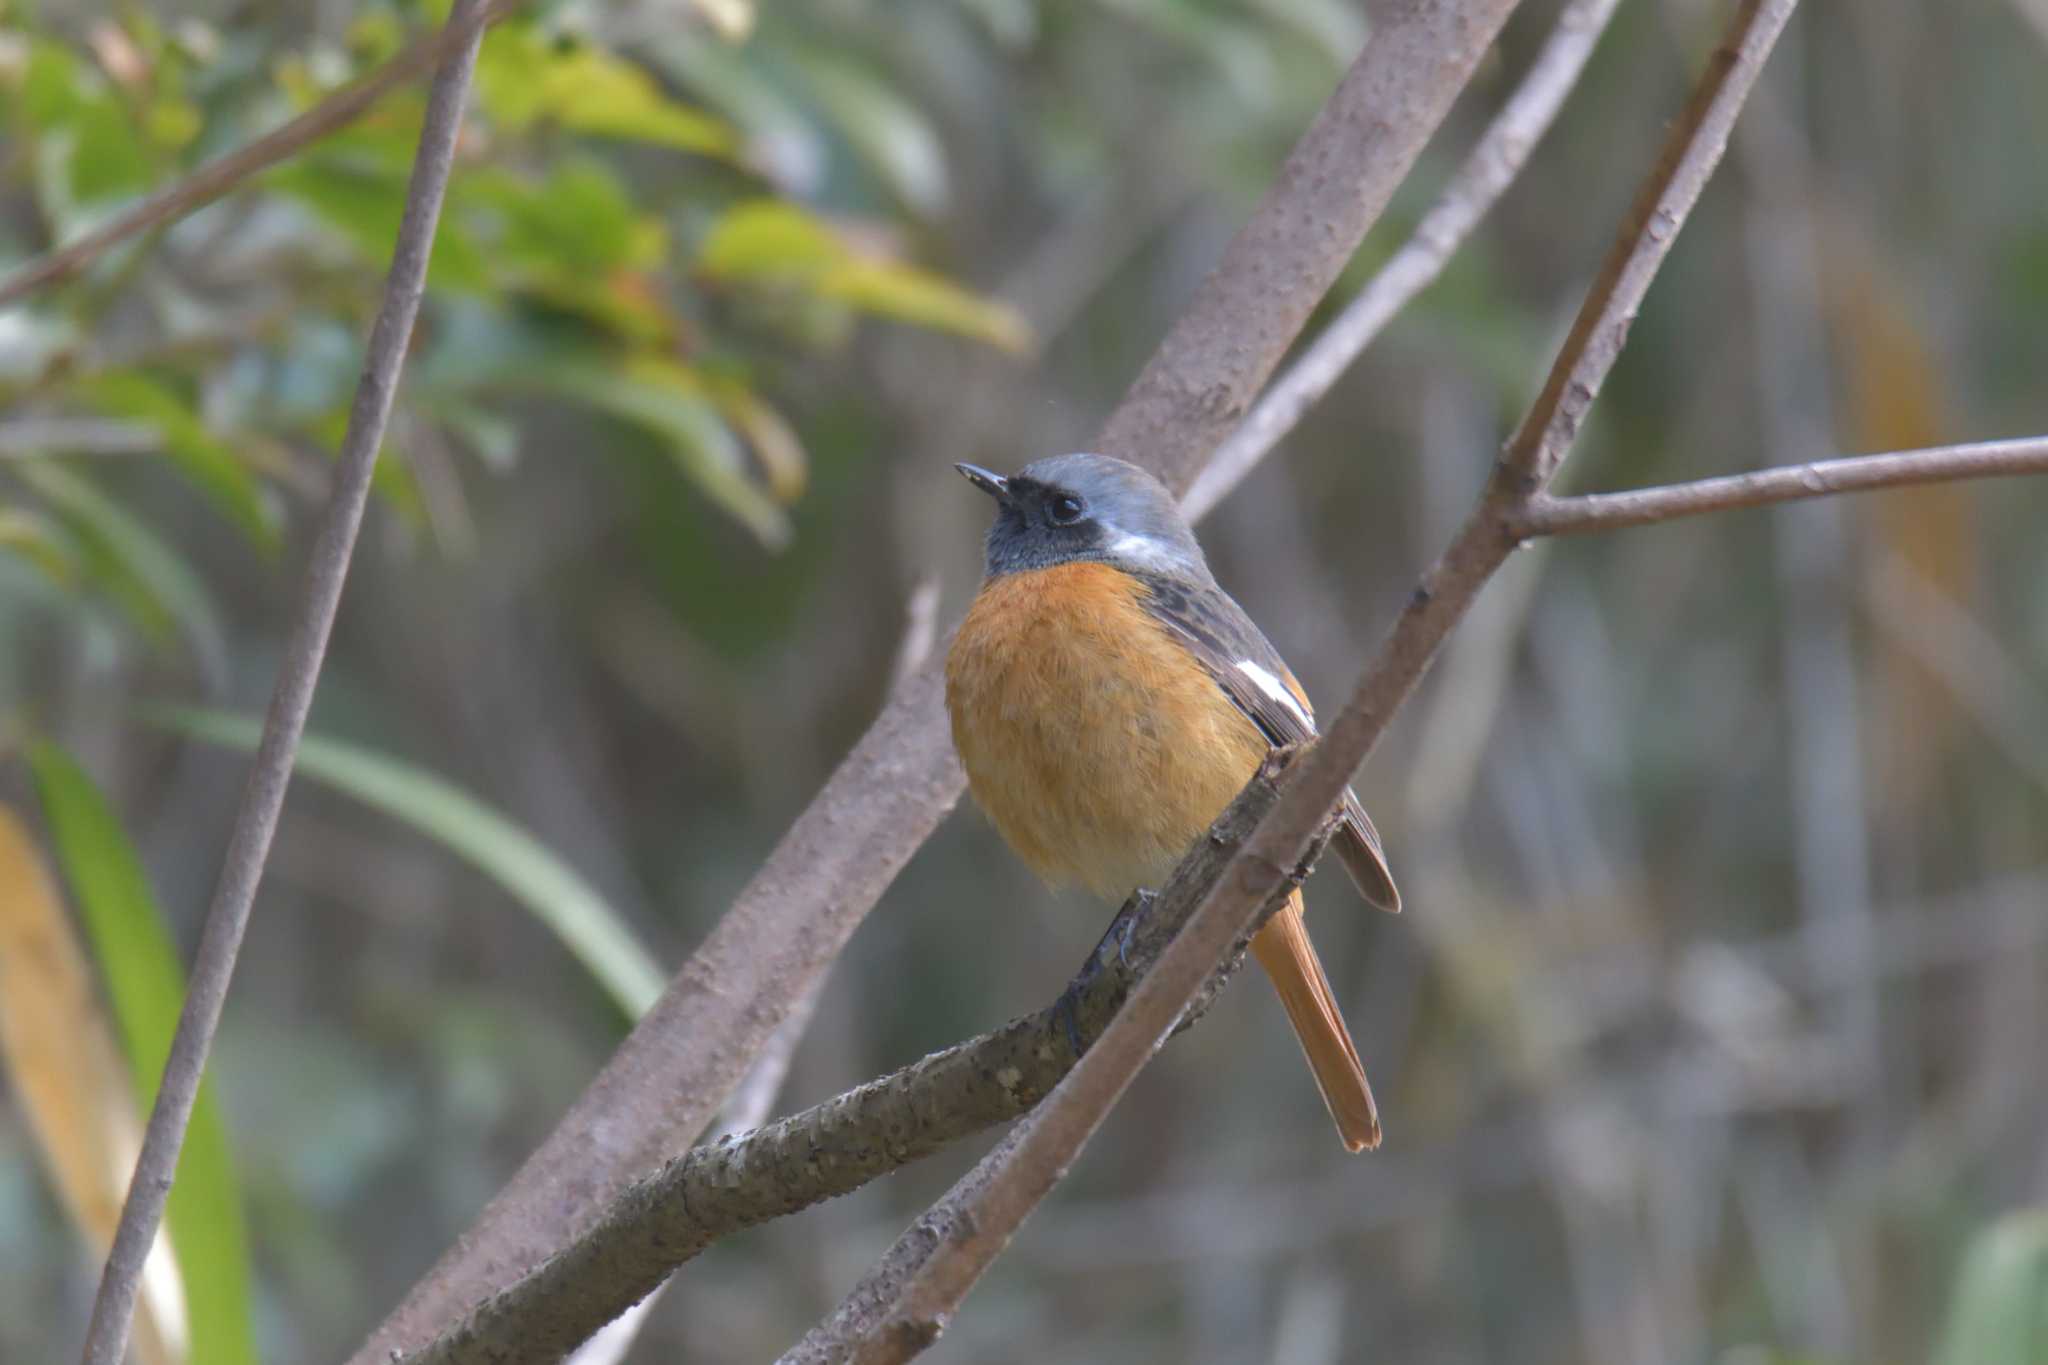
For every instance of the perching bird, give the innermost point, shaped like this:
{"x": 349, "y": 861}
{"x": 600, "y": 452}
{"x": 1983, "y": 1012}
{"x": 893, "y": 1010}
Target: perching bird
{"x": 1108, "y": 700}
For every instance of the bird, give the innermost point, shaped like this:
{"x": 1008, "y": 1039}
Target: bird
{"x": 1108, "y": 700}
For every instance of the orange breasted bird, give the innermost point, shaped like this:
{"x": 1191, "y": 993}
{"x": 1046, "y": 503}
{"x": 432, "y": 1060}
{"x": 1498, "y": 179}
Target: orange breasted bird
{"x": 1108, "y": 700}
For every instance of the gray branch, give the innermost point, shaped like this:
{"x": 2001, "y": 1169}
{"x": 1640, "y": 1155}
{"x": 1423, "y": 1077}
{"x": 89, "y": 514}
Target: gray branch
{"x": 1488, "y": 169}
{"x": 1555, "y": 516}
{"x": 939, "y": 1260}
{"x": 838, "y": 1146}
{"x": 269, "y": 773}
{"x": 674, "y": 1070}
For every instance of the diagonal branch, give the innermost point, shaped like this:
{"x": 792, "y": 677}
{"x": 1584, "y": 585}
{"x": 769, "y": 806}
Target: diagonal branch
{"x": 836, "y": 1147}
{"x": 672, "y": 1072}
{"x": 963, "y": 1235}
{"x": 1492, "y": 165}
{"x": 256, "y": 821}
{"x": 1545, "y": 515}
{"x": 224, "y": 172}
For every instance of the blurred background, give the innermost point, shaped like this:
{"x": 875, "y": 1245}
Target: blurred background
{"x": 1713, "y": 1029}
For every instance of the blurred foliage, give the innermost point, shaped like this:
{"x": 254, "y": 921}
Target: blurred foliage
{"x": 1710, "y": 1034}
{"x": 145, "y": 988}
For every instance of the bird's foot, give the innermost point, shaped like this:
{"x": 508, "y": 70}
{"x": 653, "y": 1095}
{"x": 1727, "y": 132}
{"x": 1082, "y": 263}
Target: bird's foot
{"x": 1128, "y": 918}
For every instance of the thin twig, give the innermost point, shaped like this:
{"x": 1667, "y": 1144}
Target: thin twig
{"x": 1491, "y": 166}
{"x": 1545, "y": 515}
{"x": 671, "y": 1074}
{"x": 966, "y": 1231}
{"x": 256, "y": 820}
{"x": 224, "y": 172}
{"x": 842, "y": 1144}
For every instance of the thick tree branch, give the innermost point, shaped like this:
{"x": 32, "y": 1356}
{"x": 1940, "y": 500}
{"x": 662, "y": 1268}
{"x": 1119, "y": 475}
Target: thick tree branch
{"x": 840, "y": 1145}
{"x": 1546, "y": 515}
{"x": 965, "y": 1233}
{"x": 1330, "y": 190}
{"x": 270, "y": 772}
{"x": 224, "y": 172}
{"x": 1488, "y": 169}
{"x": 671, "y": 1074}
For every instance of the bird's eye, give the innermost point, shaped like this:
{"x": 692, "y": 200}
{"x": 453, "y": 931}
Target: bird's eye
{"x": 1064, "y": 510}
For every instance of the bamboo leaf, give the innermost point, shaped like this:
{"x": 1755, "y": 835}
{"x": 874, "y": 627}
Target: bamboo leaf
{"x": 204, "y": 459}
{"x": 59, "y": 1051}
{"x": 146, "y": 987}
{"x": 570, "y": 907}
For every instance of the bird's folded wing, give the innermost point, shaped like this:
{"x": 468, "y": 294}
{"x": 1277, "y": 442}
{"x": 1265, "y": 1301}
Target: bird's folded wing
{"x": 1252, "y": 674}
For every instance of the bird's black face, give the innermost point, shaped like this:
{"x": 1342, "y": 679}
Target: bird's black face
{"x": 1085, "y": 507}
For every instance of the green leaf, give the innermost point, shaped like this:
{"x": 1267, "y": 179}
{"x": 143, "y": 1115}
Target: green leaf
{"x": 670, "y": 403}
{"x": 158, "y": 590}
{"x": 771, "y": 242}
{"x": 560, "y": 899}
{"x": 522, "y": 77}
{"x": 208, "y": 462}
{"x": 146, "y": 987}
{"x": 1999, "y": 1312}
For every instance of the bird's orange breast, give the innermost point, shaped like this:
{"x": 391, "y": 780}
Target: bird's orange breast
{"x": 1098, "y": 745}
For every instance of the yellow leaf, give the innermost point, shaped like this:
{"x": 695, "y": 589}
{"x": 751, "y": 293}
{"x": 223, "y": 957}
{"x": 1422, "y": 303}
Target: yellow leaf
{"x": 61, "y": 1059}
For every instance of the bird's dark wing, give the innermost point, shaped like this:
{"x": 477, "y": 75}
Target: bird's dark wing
{"x": 1258, "y": 682}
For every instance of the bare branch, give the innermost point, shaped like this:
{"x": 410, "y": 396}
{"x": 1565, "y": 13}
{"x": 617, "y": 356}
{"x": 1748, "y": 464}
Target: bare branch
{"x": 1330, "y": 190}
{"x": 671, "y": 1074}
{"x": 753, "y": 1099}
{"x": 840, "y": 1145}
{"x": 1491, "y": 166}
{"x": 964, "y": 1235}
{"x": 224, "y": 172}
{"x": 1545, "y": 515}
{"x": 249, "y": 845}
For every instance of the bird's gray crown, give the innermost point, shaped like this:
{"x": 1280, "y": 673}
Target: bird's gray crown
{"x": 1069, "y": 508}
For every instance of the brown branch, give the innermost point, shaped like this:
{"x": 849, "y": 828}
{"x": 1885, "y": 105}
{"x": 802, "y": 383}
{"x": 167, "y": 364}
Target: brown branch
{"x": 962, "y": 1236}
{"x": 673, "y": 1071}
{"x": 1494, "y": 162}
{"x": 840, "y": 1145}
{"x": 224, "y": 172}
{"x": 1330, "y": 190}
{"x": 1545, "y": 515}
{"x": 106, "y": 1340}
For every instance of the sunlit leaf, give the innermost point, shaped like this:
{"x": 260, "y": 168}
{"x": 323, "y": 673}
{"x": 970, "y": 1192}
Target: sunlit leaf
{"x": 774, "y": 243}
{"x": 908, "y": 294}
{"x": 1999, "y": 1314}
{"x": 64, "y": 1068}
{"x": 523, "y": 77}
{"x": 153, "y": 585}
{"x": 146, "y": 987}
{"x": 670, "y": 402}
{"x": 206, "y": 460}
{"x": 559, "y": 898}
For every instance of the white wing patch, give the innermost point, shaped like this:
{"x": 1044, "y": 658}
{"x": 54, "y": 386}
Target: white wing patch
{"x": 1144, "y": 551}
{"x": 1263, "y": 679}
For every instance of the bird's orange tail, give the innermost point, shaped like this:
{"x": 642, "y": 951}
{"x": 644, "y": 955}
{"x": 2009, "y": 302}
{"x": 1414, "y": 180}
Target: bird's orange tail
{"x": 1283, "y": 949}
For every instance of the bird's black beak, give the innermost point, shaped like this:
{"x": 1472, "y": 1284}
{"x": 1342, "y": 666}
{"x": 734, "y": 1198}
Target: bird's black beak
{"x": 995, "y": 485}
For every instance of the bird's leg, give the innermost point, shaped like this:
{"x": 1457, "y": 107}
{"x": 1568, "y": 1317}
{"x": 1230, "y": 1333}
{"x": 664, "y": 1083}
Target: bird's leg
{"x": 1128, "y": 917}
{"x": 1126, "y": 923}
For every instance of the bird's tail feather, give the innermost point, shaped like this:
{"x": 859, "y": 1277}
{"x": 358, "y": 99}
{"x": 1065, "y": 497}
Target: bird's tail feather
{"x": 1283, "y": 949}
